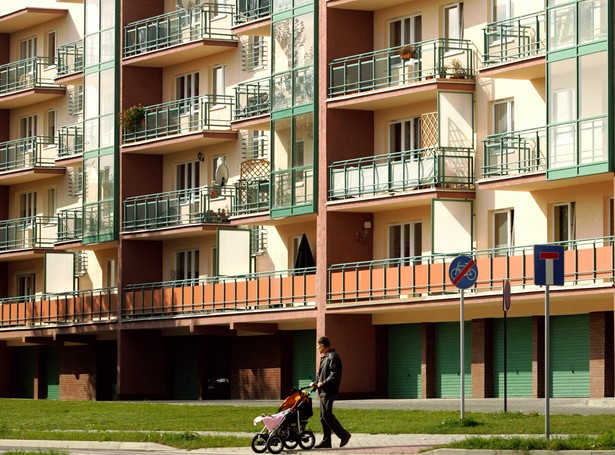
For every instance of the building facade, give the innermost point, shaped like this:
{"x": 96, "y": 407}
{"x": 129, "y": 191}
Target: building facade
{"x": 191, "y": 193}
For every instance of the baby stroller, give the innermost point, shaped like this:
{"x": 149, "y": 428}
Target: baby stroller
{"x": 286, "y": 428}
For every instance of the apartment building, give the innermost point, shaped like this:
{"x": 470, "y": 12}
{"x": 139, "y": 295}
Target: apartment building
{"x": 191, "y": 193}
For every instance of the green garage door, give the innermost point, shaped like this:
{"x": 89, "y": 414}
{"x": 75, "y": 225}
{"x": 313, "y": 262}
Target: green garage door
{"x": 186, "y": 369}
{"x": 52, "y": 360}
{"x": 304, "y": 357}
{"x": 448, "y": 381}
{"x": 570, "y": 356}
{"x": 405, "y": 361}
{"x": 519, "y": 357}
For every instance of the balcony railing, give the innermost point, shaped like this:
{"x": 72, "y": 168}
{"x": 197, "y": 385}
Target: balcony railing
{"x": 515, "y": 38}
{"x": 206, "y": 204}
{"x": 251, "y": 10}
{"x": 70, "y": 140}
{"x": 176, "y": 27}
{"x": 77, "y": 307}
{"x": 205, "y": 112}
{"x": 70, "y": 58}
{"x": 70, "y": 225}
{"x": 25, "y": 153}
{"x": 292, "y": 187}
{"x": 515, "y": 153}
{"x": 98, "y": 218}
{"x": 401, "y": 65}
{"x": 252, "y": 99}
{"x": 586, "y": 262}
{"x": 251, "y": 195}
{"x": 402, "y": 171}
{"x": 221, "y": 294}
{"x": 24, "y": 74}
{"x": 28, "y": 233}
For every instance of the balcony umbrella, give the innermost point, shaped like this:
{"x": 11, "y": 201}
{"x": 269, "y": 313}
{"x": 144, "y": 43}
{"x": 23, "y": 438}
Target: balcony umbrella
{"x": 304, "y": 255}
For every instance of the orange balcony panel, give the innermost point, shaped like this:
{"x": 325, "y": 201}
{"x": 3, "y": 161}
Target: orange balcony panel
{"x": 18, "y": 176}
{"x": 28, "y": 17}
{"x": 181, "y": 53}
{"x": 30, "y": 96}
{"x": 176, "y": 143}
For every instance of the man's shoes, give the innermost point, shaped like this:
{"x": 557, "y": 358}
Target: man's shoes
{"x": 345, "y": 440}
{"x": 323, "y": 445}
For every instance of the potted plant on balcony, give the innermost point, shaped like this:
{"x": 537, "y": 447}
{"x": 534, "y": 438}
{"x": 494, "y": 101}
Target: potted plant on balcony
{"x": 456, "y": 70}
{"x": 407, "y": 52}
{"x": 132, "y": 118}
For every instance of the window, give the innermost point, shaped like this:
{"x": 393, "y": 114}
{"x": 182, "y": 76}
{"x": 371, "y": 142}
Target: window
{"x": 295, "y": 242}
{"x": 405, "y": 31}
{"x": 258, "y": 240}
{"x": 564, "y": 223}
{"x": 186, "y": 86}
{"x": 50, "y": 209}
{"x": 214, "y": 262}
{"x": 186, "y": 265}
{"x": 611, "y": 226}
{"x": 503, "y": 228}
{"x": 503, "y": 116}
{"x": 51, "y": 126}
{"x": 51, "y": 47}
{"x": 26, "y": 284}
{"x": 256, "y": 145}
{"x": 217, "y": 83}
{"x": 75, "y": 100}
{"x": 405, "y": 240}
{"x": 405, "y": 135}
{"x": 502, "y": 9}
{"x": 216, "y": 162}
{"x": 111, "y": 273}
{"x": 254, "y": 53}
{"x": 453, "y": 21}
{"x": 27, "y": 205}
{"x": 217, "y": 8}
{"x": 592, "y": 20}
{"x": 187, "y": 175}
{"x": 27, "y": 126}
{"x": 27, "y": 48}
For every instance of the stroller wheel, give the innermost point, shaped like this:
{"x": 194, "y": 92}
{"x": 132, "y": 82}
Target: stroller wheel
{"x": 259, "y": 443}
{"x": 290, "y": 442}
{"x": 275, "y": 444}
{"x": 307, "y": 440}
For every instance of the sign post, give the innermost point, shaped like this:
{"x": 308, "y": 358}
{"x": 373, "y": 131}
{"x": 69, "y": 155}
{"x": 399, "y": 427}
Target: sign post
{"x": 506, "y": 307}
{"x": 463, "y": 273}
{"x": 548, "y": 270}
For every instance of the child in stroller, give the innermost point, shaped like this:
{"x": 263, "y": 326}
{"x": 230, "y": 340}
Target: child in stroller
{"x": 286, "y": 428}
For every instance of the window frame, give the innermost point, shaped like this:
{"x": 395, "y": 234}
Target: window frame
{"x": 445, "y": 20}
{"x": 191, "y": 264}
{"x": 51, "y": 47}
{"x": 510, "y": 231}
{"x": 571, "y": 222}
{"x": 412, "y": 232}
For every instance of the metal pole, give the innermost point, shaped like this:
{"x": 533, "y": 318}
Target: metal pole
{"x": 547, "y": 392}
{"x": 505, "y": 364}
{"x": 461, "y": 355}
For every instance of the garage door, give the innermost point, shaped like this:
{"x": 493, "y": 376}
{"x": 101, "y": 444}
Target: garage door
{"x": 519, "y": 357}
{"x": 448, "y": 380}
{"x": 570, "y": 356}
{"x": 405, "y": 361}
{"x": 304, "y": 357}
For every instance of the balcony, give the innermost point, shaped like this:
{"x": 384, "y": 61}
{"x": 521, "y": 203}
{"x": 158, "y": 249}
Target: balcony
{"x": 423, "y": 67}
{"x": 292, "y": 191}
{"x": 52, "y": 310}
{"x": 178, "y": 36}
{"x": 251, "y": 196}
{"x": 31, "y": 233}
{"x": 27, "y": 17}
{"x": 28, "y": 160}
{"x": 252, "y": 99}
{"x": 252, "y": 15}
{"x": 288, "y": 289}
{"x": 182, "y": 124}
{"x": 388, "y": 174}
{"x": 587, "y": 262}
{"x": 70, "y": 225}
{"x": 203, "y": 208}
{"x": 515, "y": 154}
{"x": 99, "y": 219}
{"x": 27, "y": 82}
{"x": 70, "y": 60}
{"x": 514, "y": 48}
{"x": 70, "y": 140}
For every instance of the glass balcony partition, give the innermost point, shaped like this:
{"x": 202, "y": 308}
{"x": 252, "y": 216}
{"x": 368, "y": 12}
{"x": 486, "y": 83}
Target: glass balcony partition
{"x": 515, "y": 38}
{"x": 25, "y": 74}
{"x": 205, "y": 112}
{"x": 515, "y": 153}
{"x": 70, "y": 225}
{"x": 401, "y": 65}
{"x": 292, "y": 187}
{"x": 28, "y": 233}
{"x": 251, "y": 10}
{"x": 25, "y": 153}
{"x": 252, "y": 99}
{"x": 208, "y": 204}
{"x": 70, "y": 58}
{"x": 402, "y": 171}
{"x": 70, "y": 140}
{"x": 221, "y": 294}
{"x": 177, "y": 27}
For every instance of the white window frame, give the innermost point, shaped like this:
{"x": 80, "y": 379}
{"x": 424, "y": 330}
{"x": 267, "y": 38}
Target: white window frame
{"x": 190, "y": 266}
{"x": 509, "y": 10}
{"x": 413, "y": 124}
{"x": 51, "y": 47}
{"x": 28, "y": 126}
{"x": 510, "y": 231}
{"x": 409, "y": 34}
{"x": 51, "y": 206}
{"x": 447, "y": 27}
{"x": 216, "y": 162}
{"x": 28, "y": 276}
{"x": 571, "y": 222}
{"x": 217, "y": 14}
{"x": 415, "y": 228}
{"x": 218, "y": 87}
{"x": 295, "y": 241}
{"x": 27, "y": 48}
{"x": 510, "y": 115}
{"x": 187, "y": 175}
{"x": 27, "y": 204}
{"x": 187, "y": 87}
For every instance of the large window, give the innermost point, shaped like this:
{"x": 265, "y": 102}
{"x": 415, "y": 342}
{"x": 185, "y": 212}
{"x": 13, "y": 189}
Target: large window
{"x": 405, "y": 135}
{"x": 453, "y": 21}
{"x": 405, "y": 31}
{"x": 186, "y": 265}
{"x": 26, "y": 284}
{"x": 503, "y": 116}
{"x": 27, "y": 205}
{"x": 573, "y": 23}
{"x": 405, "y": 240}
{"x": 27, "y": 48}
{"x": 217, "y": 83}
{"x": 564, "y": 223}
{"x": 502, "y": 9}
{"x": 503, "y": 229}
{"x": 187, "y": 86}
{"x": 27, "y": 126}
{"x": 187, "y": 175}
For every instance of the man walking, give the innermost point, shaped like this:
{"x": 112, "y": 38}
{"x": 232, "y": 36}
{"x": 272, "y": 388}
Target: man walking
{"x": 328, "y": 383}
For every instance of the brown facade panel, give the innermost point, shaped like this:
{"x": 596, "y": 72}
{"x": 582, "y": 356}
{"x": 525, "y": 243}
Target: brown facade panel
{"x": 601, "y": 354}
{"x": 78, "y": 373}
{"x": 482, "y": 358}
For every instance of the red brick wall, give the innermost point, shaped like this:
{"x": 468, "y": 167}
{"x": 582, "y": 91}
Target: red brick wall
{"x": 428, "y": 361}
{"x": 78, "y": 373}
{"x": 142, "y": 367}
{"x": 601, "y": 354}
{"x": 255, "y": 368}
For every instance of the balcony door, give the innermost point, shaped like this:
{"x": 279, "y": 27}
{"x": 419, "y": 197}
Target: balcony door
{"x": 405, "y": 241}
{"x": 186, "y": 265}
{"x": 187, "y": 182}
{"x": 503, "y": 122}
{"x": 503, "y": 230}
{"x": 25, "y": 284}
{"x": 186, "y": 91}
{"x": 564, "y": 222}
{"x": 407, "y": 30}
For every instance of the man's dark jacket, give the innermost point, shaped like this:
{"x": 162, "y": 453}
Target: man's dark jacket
{"x": 330, "y": 373}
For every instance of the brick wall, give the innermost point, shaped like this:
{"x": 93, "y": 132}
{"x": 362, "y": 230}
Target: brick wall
{"x": 255, "y": 368}
{"x": 601, "y": 354}
{"x": 428, "y": 361}
{"x": 482, "y": 358}
{"x": 78, "y": 373}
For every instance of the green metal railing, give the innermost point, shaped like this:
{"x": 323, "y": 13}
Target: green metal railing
{"x": 292, "y": 187}
{"x": 176, "y": 27}
{"x": 251, "y": 195}
{"x": 70, "y": 140}
{"x": 252, "y": 99}
{"x": 587, "y": 262}
{"x": 205, "y": 112}
{"x": 515, "y": 38}
{"x": 70, "y": 225}
{"x": 515, "y": 152}
{"x": 25, "y": 153}
{"x": 28, "y": 233}
{"x": 70, "y": 58}
{"x": 220, "y": 294}
{"x": 437, "y": 58}
{"x": 251, "y": 10}
{"x": 76, "y": 307}
{"x": 207, "y": 204}
{"x": 402, "y": 171}
{"x": 24, "y": 74}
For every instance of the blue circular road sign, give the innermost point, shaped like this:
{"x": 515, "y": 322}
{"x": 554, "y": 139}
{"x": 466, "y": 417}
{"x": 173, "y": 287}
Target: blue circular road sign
{"x": 463, "y": 272}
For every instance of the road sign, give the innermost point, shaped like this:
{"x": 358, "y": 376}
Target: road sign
{"x": 548, "y": 265}
{"x": 506, "y": 295}
{"x": 463, "y": 272}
